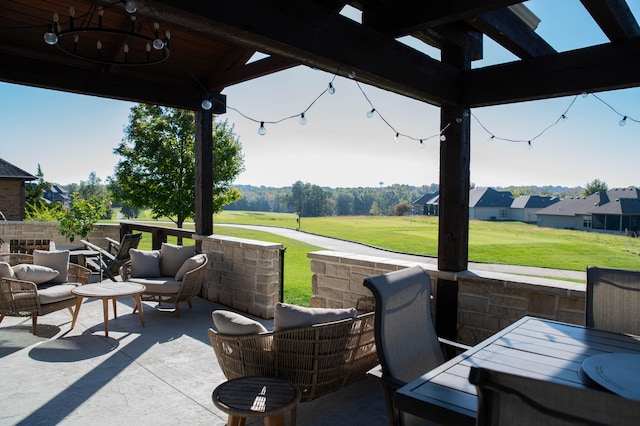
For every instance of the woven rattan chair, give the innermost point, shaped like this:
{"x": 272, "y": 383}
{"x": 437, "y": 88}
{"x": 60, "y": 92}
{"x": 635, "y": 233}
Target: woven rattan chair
{"x": 613, "y": 300}
{"x": 405, "y": 336}
{"x": 319, "y": 359}
{"x": 21, "y": 299}
{"x": 110, "y": 260}
{"x": 507, "y": 399}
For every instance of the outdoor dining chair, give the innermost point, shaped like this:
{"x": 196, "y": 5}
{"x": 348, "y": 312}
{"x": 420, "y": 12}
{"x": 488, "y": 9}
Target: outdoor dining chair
{"x": 613, "y": 300}
{"x": 405, "y": 335}
{"x": 507, "y": 399}
{"x": 110, "y": 262}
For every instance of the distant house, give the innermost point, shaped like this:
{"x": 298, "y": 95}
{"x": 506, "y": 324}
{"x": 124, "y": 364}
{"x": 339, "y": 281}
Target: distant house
{"x": 56, "y": 193}
{"x": 616, "y": 211}
{"x": 489, "y": 204}
{"x": 426, "y": 205}
{"x": 12, "y": 190}
{"x": 524, "y": 207}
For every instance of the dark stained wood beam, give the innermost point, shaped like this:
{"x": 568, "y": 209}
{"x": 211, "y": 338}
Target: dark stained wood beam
{"x": 250, "y": 71}
{"x": 614, "y": 18}
{"x": 510, "y": 31}
{"x": 304, "y": 32}
{"x": 32, "y": 72}
{"x": 401, "y": 17}
{"x": 609, "y": 66}
{"x": 204, "y": 173}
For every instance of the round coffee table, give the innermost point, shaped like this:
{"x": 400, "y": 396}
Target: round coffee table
{"x": 106, "y": 291}
{"x": 257, "y": 397}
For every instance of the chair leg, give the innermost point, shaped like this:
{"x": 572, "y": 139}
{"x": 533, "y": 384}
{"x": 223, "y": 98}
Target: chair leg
{"x": 189, "y": 302}
{"x": 177, "y": 309}
{"x": 1, "y": 318}
{"x": 34, "y": 324}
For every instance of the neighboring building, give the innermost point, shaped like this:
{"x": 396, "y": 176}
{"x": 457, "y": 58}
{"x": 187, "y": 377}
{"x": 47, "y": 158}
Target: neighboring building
{"x": 489, "y": 204}
{"x": 426, "y": 205}
{"x": 12, "y": 190}
{"x": 616, "y": 211}
{"x": 56, "y": 193}
{"x": 524, "y": 207}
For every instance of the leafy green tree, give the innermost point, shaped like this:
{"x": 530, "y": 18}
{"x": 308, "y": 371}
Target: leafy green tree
{"x": 401, "y": 209}
{"x": 81, "y": 216}
{"x": 594, "y": 186}
{"x": 157, "y": 169}
{"x": 37, "y": 209}
{"x": 308, "y": 200}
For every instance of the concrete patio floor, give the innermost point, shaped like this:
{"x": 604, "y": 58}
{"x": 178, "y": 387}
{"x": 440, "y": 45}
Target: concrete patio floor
{"x": 162, "y": 373}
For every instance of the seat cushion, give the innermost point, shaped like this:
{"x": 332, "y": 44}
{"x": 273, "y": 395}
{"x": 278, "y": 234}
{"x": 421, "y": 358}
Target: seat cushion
{"x": 232, "y": 323}
{"x": 172, "y": 257}
{"x": 161, "y": 285}
{"x": 37, "y": 274}
{"x": 292, "y": 316}
{"x": 190, "y": 264}
{"x": 56, "y": 293}
{"x": 6, "y": 271}
{"x": 57, "y": 259}
{"x": 145, "y": 263}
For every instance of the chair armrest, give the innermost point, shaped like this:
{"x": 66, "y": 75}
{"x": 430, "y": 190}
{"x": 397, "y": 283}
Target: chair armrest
{"x": 125, "y": 270}
{"x": 78, "y": 274}
{"x": 460, "y": 347}
{"x": 18, "y": 296}
{"x": 112, "y": 244}
{"x": 99, "y": 249}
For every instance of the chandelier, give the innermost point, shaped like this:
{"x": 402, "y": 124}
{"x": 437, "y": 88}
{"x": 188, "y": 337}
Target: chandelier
{"x": 88, "y": 38}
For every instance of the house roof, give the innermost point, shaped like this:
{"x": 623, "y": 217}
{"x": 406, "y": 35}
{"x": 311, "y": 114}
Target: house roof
{"x": 9, "y": 171}
{"x": 426, "y": 198}
{"x": 533, "y": 202}
{"x": 489, "y": 197}
{"x": 619, "y": 201}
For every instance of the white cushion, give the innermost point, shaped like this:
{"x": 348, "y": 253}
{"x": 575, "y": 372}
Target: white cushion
{"x": 145, "y": 263}
{"x": 58, "y": 260}
{"x": 6, "y": 271}
{"x": 292, "y": 316}
{"x": 161, "y": 285}
{"x": 37, "y": 274}
{"x": 56, "y": 293}
{"x": 227, "y": 322}
{"x": 172, "y": 257}
{"x": 190, "y": 264}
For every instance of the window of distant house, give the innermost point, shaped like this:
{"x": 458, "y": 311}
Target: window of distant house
{"x": 586, "y": 222}
{"x": 503, "y": 214}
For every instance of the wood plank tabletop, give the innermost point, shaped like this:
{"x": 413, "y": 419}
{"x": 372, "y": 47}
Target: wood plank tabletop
{"x": 532, "y": 347}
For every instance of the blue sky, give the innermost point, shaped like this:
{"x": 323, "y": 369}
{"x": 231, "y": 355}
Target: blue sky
{"x": 72, "y": 135}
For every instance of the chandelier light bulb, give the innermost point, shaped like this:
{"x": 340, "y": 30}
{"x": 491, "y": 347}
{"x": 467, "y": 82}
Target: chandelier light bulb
{"x": 158, "y": 44}
{"x": 206, "y": 104}
{"x": 50, "y": 37}
{"x": 72, "y": 12}
{"x": 148, "y": 47}
{"x": 331, "y": 89}
{"x": 303, "y": 119}
{"x": 130, "y": 6}
{"x": 126, "y": 48}
{"x": 262, "y": 130}
{"x": 458, "y": 120}
{"x": 623, "y": 121}
{"x": 56, "y": 18}
{"x": 167, "y": 35}
{"x": 370, "y": 113}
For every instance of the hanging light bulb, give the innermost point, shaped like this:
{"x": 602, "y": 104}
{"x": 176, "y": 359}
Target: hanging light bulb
{"x": 262, "y": 130}
{"x": 130, "y": 6}
{"x": 157, "y": 43}
{"x": 422, "y": 145}
{"x": 623, "y": 121}
{"x": 352, "y": 74}
{"x": 370, "y": 113}
{"x": 529, "y": 145}
{"x": 564, "y": 117}
{"x": 584, "y": 94}
{"x": 206, "y": 104}
{"x": 50, "y": 37}
{"x": 490, "y": 138}
{"x": 331, "y": 89}
{"x": 303, "y": 119}
{"x": 443, "y": 138}
{"x": 458, "y": 120}
{"x": 396, "y": 137}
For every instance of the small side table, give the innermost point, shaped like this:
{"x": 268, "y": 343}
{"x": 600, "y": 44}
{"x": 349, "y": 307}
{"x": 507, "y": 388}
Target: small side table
{"x": 257, "y": 397}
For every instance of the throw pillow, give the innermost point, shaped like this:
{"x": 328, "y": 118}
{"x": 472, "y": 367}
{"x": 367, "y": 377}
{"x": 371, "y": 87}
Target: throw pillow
{"x": 58, "y": 260}
{"x": 292, "y": 316}
{"x": 145, "y": 263}
{"x": 37, "y": 274}
{"x": 190, "y": 264}
{"x": 227, "y": 322}
{"x": 172, "y": 257}
{"x": 6, "y": 271}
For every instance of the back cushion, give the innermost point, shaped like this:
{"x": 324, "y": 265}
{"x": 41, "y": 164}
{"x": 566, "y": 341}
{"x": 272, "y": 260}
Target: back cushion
{"x": 190, "y": 264}
{"x": 145, "y": 263}
{"x": 37, "y": 274}
{"x": 58, "y": 260}
{"x": 227, "y": 322}
{"x": 292, "y": 316}
{"x": 6, "y": 271}
{"x": 172, "y": 257}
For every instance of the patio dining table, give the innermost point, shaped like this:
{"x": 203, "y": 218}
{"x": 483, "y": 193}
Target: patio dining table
{"x": 533, "y": 347}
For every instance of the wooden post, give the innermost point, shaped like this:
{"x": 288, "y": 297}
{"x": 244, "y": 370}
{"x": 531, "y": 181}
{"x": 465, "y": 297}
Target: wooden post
{"x": 204, "y": 173}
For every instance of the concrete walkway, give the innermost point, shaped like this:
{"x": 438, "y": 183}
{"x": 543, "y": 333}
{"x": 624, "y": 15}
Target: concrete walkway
{"x": 359, "y": 248}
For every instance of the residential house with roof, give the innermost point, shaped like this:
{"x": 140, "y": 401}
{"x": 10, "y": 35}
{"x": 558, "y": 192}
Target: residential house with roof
{"x": 613, "y": 211}
{"x": 489, "y": 204}
{"x": 56, "y": 193}
{"x": 426, "y": 205}
{"x": 12, "y": 190}
{"x": 525, "y": 207}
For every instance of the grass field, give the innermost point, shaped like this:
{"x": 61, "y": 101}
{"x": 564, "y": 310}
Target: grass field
{"x": 512, "y": 243}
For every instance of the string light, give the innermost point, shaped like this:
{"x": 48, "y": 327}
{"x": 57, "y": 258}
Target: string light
{"x": 262, "y": 130}
{"x": 370, "y": 113}
{"x": 303, "y": 119}
{"x": 331, "y": 89}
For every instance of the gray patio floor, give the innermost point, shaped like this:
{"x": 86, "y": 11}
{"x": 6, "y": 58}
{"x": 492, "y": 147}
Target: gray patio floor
{"x": 162, "y": 373}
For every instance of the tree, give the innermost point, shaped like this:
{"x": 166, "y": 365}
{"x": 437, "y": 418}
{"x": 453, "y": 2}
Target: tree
{"x": 308, "y": 200}
{"x": 594, "y": 186}
{"x": 80, "y": 217}
{"x": 36, "y": 208}
{"x": 157, "y": 169}
{"x": 401, "y": 209}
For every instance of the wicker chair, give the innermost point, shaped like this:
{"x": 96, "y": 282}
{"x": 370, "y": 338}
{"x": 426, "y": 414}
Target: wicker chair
{"x": 168, "y": 289}
{"x": 319, "y": 359}
{"x": 20, "y": 298}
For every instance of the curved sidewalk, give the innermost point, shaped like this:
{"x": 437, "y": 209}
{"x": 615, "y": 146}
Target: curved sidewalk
{"x": 360, "y": 248}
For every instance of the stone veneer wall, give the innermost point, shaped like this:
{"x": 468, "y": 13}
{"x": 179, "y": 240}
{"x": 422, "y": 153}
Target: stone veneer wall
{"x": 487, "y": 301}
{"x": 12, "y": 196}
{"x": 19, "y": 230}
{"x": 242, "y": 274}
